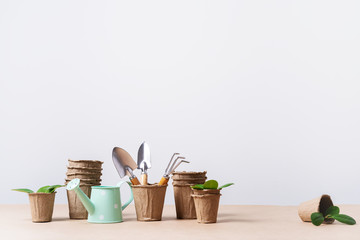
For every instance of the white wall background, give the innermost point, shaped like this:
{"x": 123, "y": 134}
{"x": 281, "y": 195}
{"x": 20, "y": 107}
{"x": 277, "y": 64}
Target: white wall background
{"x": 261, "y": 93}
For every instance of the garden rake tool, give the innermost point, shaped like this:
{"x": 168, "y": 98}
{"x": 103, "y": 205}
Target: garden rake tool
{"x": 173, "y": 164}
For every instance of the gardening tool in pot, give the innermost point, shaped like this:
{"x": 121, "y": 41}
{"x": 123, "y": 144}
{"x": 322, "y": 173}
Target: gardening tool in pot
{"x": 105, "y": 203}
{"x": 171, "y": 167}
{"x": 124, "y": 164}
{"x": 144, "y": 162}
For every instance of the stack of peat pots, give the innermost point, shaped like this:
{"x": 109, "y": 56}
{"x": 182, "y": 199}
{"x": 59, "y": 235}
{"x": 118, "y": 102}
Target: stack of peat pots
{"x": 184, "y": 203}
{"x": 89, "y": 173}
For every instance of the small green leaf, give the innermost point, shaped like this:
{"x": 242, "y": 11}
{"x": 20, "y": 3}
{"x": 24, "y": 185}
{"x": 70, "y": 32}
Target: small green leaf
{"x": 43, "y": 189}
{"x": 25, "y": 190}
{"x": 317, "y": 218}
{"x": 211, "y": 184}
{"x": 49, "y": 189}
{"x": 226, "y": 185}
{"x": 331, "y": 211}
{"x": 345, "y": 219}
{"x": 198, "y": 186}
{"x": 52, "y": 188}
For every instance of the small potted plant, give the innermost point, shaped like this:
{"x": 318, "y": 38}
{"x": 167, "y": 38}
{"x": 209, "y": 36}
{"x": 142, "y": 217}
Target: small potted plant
{"x": 206, "y": 198}
{"x": 41, "y": 202}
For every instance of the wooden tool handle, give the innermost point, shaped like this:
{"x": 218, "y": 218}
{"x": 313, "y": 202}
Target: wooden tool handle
{"x": 135, "y": 181}
{"x": 163, "y": 181}
{"x": 143, "y": 179}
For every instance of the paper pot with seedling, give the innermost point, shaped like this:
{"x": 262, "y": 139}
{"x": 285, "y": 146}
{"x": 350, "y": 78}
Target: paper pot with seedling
{"x": 331, "y": 214}
{"x": 41, "y": 202}
{"x": 206, "y": 198}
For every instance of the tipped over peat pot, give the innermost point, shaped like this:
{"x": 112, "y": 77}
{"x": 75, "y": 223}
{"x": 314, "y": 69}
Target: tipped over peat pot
{"x": 319, "y": 204}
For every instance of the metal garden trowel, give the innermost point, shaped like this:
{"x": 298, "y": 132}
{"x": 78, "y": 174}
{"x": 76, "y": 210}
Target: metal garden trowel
{"x": 144, "y": 162}
{"x": 124, "y": 164}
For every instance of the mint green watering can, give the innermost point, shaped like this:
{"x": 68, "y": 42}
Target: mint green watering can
{"x": 105, "y": 203}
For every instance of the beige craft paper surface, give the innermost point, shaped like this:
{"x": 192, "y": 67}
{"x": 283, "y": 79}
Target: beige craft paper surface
{"x": 234, "y": 222}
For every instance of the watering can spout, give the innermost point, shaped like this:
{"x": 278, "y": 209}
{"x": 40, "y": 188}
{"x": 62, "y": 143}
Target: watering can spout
{"x": 74, "y": 185}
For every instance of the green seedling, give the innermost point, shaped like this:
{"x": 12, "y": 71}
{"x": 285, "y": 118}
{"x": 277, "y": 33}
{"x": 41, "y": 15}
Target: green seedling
{"x": 333, "y": 212}
{"x": 44, "y": 189}
{"x": 211, "y": 184}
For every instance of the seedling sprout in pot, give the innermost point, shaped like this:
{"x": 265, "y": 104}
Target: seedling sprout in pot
{"x": 41, "y": 202}
{"x": 209, "y": 187}
{"x": 206, "y": 198}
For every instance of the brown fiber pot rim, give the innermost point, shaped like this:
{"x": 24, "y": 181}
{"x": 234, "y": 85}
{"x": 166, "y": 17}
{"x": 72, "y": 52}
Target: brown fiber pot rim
{"x": 206, "y": 195}
{"x": 84, "y": 173}
{"x": 86, "y": 161}
{"x": 40, "y": 193}
{"x": 86, "y": 180}
{"x": 149, "y": 186}
{"x": 183, "y": 184}
{"x": 191, "y": 173}
{"x": 206, "y": 191}
{"x": 86, "y": 168}
{"x": 177, "y": 175}
{"x": 87, "y": 185}
{"x": 189, "y": 179}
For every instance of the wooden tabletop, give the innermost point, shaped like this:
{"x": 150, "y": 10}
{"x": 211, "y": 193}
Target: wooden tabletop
{"x": 234, "y": 222}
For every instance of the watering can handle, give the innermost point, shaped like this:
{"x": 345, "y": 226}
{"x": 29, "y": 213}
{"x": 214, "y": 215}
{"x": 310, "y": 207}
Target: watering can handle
{"x": 131, "y": 196}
